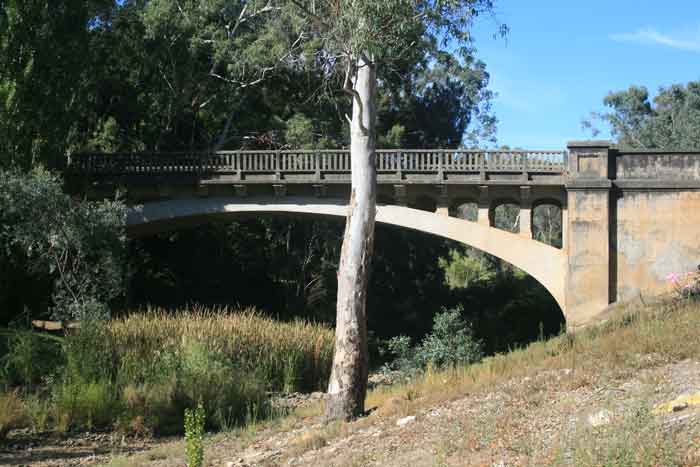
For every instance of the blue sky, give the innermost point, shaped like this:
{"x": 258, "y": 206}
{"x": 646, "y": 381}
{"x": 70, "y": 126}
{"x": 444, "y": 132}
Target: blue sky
{"x": 562, "y": 57}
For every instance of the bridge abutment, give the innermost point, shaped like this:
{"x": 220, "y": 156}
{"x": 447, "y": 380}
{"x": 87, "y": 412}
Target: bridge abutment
{"x": 589, "y": 281}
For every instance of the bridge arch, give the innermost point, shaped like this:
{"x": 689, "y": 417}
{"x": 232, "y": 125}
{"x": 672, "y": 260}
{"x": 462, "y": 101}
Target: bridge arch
{"x": 550, "y": 210}
{"x": 465, "y": 208}
{"x": 505, "y": 203}
{"x": 543, "y": 262}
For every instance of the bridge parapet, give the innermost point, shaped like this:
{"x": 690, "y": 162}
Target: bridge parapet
{"x": 332, "y": 166}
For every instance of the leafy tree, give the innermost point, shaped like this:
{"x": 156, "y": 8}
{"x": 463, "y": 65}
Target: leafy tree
{"x": 356, "y": 38}
{"x": 78, "y": 246}
{"x": 42, "y": 85}
{"x": 671, "y": 121}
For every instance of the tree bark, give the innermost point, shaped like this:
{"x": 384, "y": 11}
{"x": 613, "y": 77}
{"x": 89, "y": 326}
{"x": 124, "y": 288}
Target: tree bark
{"x": 347, "y": 387}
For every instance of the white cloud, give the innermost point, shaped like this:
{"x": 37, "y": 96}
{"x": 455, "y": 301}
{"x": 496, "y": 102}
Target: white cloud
{"x": 689, "y": 40}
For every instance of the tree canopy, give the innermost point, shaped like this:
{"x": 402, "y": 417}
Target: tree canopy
{"x": 671, "y": 120}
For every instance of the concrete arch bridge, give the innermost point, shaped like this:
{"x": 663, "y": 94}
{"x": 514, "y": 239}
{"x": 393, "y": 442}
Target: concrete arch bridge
{"x": 628, "y": 218}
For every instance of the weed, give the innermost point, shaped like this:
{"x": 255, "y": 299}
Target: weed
{"x": 194, "y": 436}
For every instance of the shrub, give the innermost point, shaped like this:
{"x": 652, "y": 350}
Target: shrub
{"x": 30, "y": 357}
{"x": 89, "y": 353}
{"x": 194, "y": 436}
{"x": 451, "y": 342}
{"x": 685, "y": 285}
{"x": 403, "y": 355}
{"x": 85, "y": 405}
{"x": 159, "y": 391}
{"x": 13, "y": 413}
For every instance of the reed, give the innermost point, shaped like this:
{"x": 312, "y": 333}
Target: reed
{"x": 290, "y": 356}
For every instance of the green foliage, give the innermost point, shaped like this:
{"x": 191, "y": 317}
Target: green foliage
{"x": 29, "y": 357}
{"x": 84, "y": 404}
{"x": 402, "y": 355}
{"x": 450, "y": 343}
{"x": 465, "y": 268}
{"x": 672, "y": 121}
{"x": 44, "y": 63}
{"x": 139, "y": 375}
{"x": 300, "y": 132}
{"x": 194, "y": 436}
{"x": 77, "y": 247}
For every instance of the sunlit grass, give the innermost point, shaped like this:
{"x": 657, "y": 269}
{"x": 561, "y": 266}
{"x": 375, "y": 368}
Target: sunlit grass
{"x": 293, "y": 355}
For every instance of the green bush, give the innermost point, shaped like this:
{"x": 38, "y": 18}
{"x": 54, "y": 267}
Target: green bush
{"x": 157, "y": 392}
{"x": 85, "y": 405}
{"x": 77, "y": 247}
{"x": 30, "y": 358}
{"x": 451, "y": 342}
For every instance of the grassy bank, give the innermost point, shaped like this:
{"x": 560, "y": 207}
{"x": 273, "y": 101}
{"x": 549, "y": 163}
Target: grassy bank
{"x": 634, "y": 341}
{"x": 632, "y": 338}
{"x": 140, "y": 372}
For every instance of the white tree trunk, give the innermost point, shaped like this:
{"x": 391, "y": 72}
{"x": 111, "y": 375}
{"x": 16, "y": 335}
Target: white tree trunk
{"x": 348, "y": 383}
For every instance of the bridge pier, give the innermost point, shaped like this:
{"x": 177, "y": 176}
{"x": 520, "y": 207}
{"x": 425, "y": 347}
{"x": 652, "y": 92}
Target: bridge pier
{"x": 525, "y": 212}
{"x": 443, "y": 201}
{"x": 484, "y": 207}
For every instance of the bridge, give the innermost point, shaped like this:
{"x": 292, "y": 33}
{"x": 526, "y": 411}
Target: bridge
{"x": 628, "y": 218}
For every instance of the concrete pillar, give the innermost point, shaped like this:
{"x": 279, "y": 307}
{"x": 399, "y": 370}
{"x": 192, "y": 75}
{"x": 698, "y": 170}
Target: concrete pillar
{"x": 588, "y": 288}
{"x": 484, "y": 205}
{"x": 443, "y": 201}
{"x": 564, "y": 227}
{"x": 525, "y": 212}
{"x": 400, "y": 197}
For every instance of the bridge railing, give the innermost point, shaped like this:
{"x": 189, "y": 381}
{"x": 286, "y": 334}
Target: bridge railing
{"x": 317, "y": 161}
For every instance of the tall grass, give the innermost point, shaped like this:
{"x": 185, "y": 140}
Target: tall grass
{"x": 289, "y": 356}
{"x": 140, "y": 372}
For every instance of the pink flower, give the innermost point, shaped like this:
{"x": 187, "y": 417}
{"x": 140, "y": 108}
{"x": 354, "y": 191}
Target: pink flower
{"x": 672, "y": 278}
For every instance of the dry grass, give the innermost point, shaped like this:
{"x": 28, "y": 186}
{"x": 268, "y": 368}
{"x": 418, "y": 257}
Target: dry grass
{"x": 296, "y": 355}
{"x": 635, "y": 338}
{"x": 13, "y": 413}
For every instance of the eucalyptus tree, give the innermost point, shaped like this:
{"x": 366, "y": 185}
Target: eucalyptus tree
{"x": 355, "y": 38}
{"x": 671, "y": 120}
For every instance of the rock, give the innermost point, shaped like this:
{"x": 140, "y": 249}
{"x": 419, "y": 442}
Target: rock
{"x": 406, "y": 420}
{"x": 601, "y": 418}
{"x": 678, "y": 404}
{"x": 677, "y": 407}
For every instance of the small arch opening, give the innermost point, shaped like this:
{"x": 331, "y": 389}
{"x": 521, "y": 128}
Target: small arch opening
{"x": 547, "y": 222}
{"x": 465, "y": 209}
{"x": 505, "y": 215}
